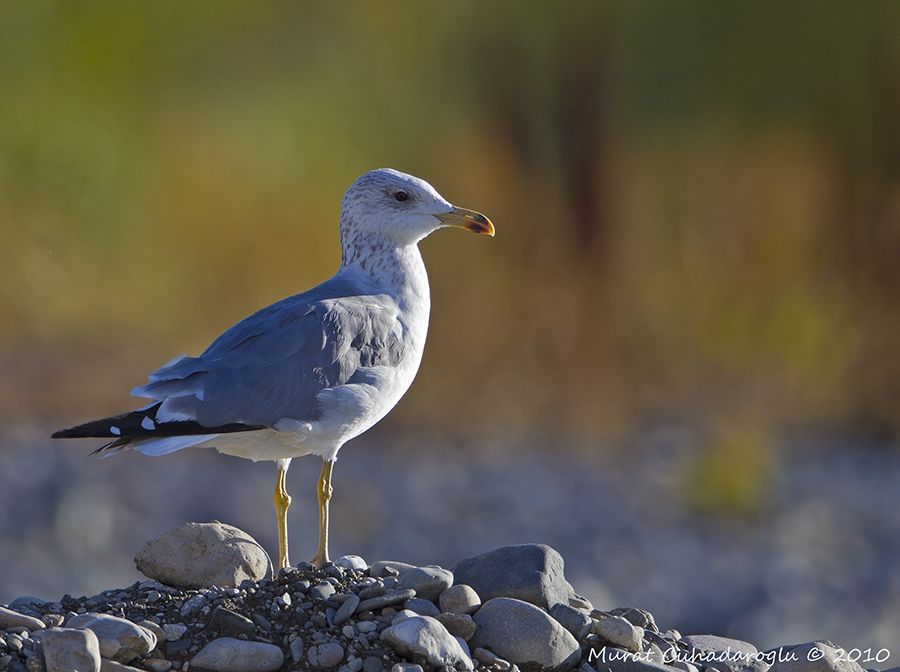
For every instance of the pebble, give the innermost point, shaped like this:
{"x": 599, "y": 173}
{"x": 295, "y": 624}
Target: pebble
{"x": 174, "y": 631}
{"x": 528, "y": 572}
{"x": 230, "y": 623}
{"x": 347, "y": 609}
{"x": 422, "y": 607}
{"x": 67, "y": 649}
{"x": 366, "y": 626}
{"x": 489, "y": 658}
{"x": 384, "y": 568}
{"x": 325, "y": 655}
{"x": 157, "y": 664}
{"x": 428, "y": 582}
{"x": 372, "y": 664}
{"x": 425, "y": 636}
{"x": 639, "y": 617}
{"x": 192, "y": 605}
{"x": 458, "y": 625}
{"x": 406, "y": 667}
{"x": 389, "y": 598}
{"x": 351, "y": 562}
{"x": 198, "y": 555}
{"x": 459, "y": 599}
{"x": 617, "y": 631}
{"x": 227, "y": 654}
{"x": 296, "y": 649}
{"x": 717, "y": 644}
{"x": 120, "y": 639}
{"x": 524, "y": 635}
{"x": 575, "y": 621}
{"x": 321, "y": 591}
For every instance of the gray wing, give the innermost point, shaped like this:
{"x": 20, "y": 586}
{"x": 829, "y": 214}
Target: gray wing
{"x": 274, "y": 364}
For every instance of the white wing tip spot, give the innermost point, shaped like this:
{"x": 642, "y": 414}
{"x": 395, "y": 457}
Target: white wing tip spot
{"x": 148, "y": 424}
{"x": 115, "y": 431}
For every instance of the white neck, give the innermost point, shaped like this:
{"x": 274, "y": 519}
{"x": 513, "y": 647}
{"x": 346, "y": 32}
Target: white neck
{"x": 395, "y": 269}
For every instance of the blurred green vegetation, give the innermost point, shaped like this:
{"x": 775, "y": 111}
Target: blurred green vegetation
{"x": 697, "y": 204}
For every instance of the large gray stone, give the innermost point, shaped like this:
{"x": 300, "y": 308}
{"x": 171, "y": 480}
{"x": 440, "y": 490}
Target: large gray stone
{"x": 819, "y": 656}
{"x": 227, "y": 654}
{"x": 120, "y": 639}
{"x": 575, "y": 621}
{"x": 459, "y": 599}
{"x": 200, "y": 555}
{"x": 383, "y": 568}
{"x": 521, "y": 633}
{"x": 529, "y": 572}
{"x": 67, "y": 649}
{"x": 725, "y": 654}
{"x": 13, "y": 619}
{"x": 718, "y": 644}
{"x": 617, "y": 631}
{"x": 428, "y": 582}
{"x": 426, "y": 637}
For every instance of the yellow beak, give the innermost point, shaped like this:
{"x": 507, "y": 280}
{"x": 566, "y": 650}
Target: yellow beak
{"x": 469, "y": 220}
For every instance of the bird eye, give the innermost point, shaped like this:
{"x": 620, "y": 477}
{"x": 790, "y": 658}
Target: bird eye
{"x": 401, "y": 196}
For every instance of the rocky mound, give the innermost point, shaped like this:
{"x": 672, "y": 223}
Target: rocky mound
{"x": 212, "y": 604}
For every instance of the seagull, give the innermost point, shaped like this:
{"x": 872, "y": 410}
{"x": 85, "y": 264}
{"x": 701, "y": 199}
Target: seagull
{"x": 312, "y": 371}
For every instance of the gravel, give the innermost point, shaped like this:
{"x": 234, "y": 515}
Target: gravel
{"x": 349, "y": 618}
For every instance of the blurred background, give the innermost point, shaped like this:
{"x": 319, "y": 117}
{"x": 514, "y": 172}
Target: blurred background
{"x": 677, "y": 362}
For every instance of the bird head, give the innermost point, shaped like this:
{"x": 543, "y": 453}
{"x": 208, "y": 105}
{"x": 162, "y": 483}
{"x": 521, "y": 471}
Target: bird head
{"x": 389, "y": 205}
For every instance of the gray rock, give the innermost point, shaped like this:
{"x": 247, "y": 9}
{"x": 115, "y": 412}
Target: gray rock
{"x": 459, "y": 599}
{"x": 458, "y": 625}
{"x": 402, "y": 615}
{"x": 157, "y": 665}
{"x": 524, "y": 635}
{"x": 490, "y": 658}
{"x": 617, "y": 660}
{"x": 422, "y": 607}
{"x": 174, "y": 631}
{"x": 199, "y": 555}
{"x": 425, "y": 636}
{"x": 719, "y": 644}
{"x": 120, "y": 639}
{"x": 329, "y": 654}
{"x": 347, "y": 609}
{"x": 384, "y": 568}
{"x": 731, "y": 655}
{"x": 229, "y": 623}
{"x": 227, "y": 654}
{"x": 428, "y": 582}
{"x": 296, "y": 648}
{"x": 13, "y": 619}
{"x": 366, "y": 627}
{"x": 617, "y": 631}
{"x": 389, "y": 599}
{"x": 579, "y": 602}
{"x": 529, "y": 572}
{"x": 321, "y": 591}
{"x": 67, "y": 649}
{"x": 639, "y": 617}
{"x": 154, "y": 628}
{"x": 819, "y": 656}
{"x": 192, "y": 605}
{"x": 685, "y": 666}
{"x": 353, "y": 562}
{"x": 575, "y": 621}
{"x": 373, "y": 664}
{"x": 406, "y": 667}
{"x": 112, "y": 666}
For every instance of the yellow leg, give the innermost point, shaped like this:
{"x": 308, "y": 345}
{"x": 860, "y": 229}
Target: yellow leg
{"x": 282, "y": 502}
{"x": 324, "y": 497}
